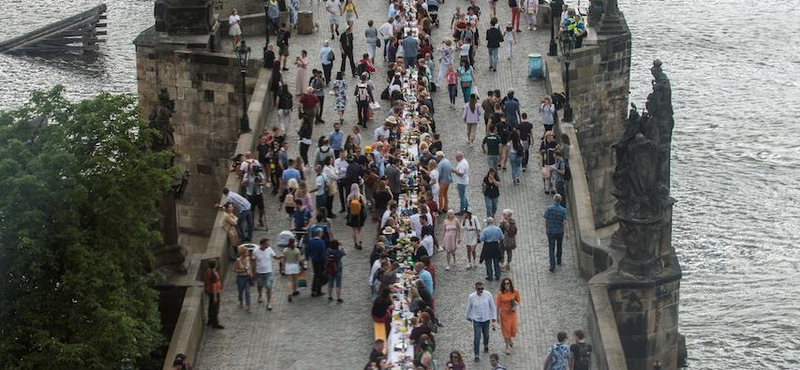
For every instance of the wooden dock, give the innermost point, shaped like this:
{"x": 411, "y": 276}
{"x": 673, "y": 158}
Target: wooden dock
{"x": 76, "y": 34}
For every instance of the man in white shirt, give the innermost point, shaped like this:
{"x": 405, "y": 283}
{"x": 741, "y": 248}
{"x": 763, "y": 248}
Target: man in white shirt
{"x": 340, "y": 165}
{"x": 334, "y": 7}
{"x": 480, "y": 310}
{"x": 461, "y": 173}
{"x": 248, "y": 162}
{"x": 263, "y": 256}
{"x": 384, "y": 130}
{"x": 385, "y": 32}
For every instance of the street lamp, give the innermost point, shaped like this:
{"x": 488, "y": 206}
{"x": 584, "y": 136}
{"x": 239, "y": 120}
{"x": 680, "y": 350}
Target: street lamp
{"x": 243, "y": 56}
{"x": 555, "y": 16}
{"x": 127, "y": 364}
{"x": 567, "y": 41}
{"x": 266, "y": 20}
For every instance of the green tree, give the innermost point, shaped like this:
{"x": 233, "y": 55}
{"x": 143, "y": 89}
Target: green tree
{"x": 78, "y": 198}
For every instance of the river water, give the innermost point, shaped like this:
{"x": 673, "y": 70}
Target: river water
{"x": 734, "y": 68}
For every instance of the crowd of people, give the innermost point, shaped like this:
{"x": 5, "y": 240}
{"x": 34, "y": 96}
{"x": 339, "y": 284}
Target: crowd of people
{"x": 406, "y": 191}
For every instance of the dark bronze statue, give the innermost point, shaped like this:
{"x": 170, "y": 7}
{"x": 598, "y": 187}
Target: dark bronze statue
{"x": 642, "y": 175}
{"x": 160, "y": 120}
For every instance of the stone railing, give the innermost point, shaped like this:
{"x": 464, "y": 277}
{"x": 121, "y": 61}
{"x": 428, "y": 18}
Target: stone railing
{"x": 593, "y": 258}
{"x": 190, "y": 326}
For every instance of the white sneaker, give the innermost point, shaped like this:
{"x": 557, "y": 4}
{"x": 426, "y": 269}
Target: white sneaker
{"x": 534, "y": 28}
{"x": 529, "y": 27}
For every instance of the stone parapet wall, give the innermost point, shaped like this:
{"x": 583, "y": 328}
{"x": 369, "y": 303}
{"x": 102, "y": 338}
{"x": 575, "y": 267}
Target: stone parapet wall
{"x": 191, "y": 322}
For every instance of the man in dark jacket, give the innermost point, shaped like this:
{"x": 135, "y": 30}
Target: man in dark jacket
{"x": 346, "y": 43}
{"x": 269, "y": 56}
{"x": 493, "y": 39}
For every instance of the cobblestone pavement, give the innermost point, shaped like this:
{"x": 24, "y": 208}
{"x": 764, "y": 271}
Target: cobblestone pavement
{"x": 312, "y": 333}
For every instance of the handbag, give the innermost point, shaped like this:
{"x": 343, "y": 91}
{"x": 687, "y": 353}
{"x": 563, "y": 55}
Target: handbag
{"x": 514, "y": 305}
{"x": 378, "y": 43}
{"x": 331, "y": 188}
{"x": 302, "y": 279}
{"x": 466, "y": 84}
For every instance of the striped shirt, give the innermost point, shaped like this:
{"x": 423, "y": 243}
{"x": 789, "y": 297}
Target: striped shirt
{"x": 554, "y": 217}
{"x": 238, "y": 202}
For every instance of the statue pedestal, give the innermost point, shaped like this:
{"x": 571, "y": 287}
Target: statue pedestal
{"x": 612, "y": 24}
{"x": 646, "y": 312}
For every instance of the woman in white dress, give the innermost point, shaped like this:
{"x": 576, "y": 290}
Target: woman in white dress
{"x": 434, "y": 174}
{"x": 470, "y": 229}
{"x": 235, "y": 30}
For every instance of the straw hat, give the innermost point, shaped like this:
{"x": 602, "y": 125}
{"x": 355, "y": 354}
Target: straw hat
{"x": 391, "y": 119}
{"x": 388, "y": 230}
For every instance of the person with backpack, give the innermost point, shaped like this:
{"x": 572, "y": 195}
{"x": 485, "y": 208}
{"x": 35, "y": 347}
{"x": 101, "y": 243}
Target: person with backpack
{"x": 580, "y": 352}
{"x": 364, "y": 97}
{"x": 509, "y": 227}
{"x": 356, "y": 214}
{"x": 558, "y": 355}
{"x": 561, "y": 174}
{"x": 283, "y": 45}
{"x": 333, "y": 269}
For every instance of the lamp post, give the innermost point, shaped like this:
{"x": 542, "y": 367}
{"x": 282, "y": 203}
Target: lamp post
{"x": 243, "y": 56}
{"x": 567, "y": 41}
{"x": 127, "y": 364}
{"x": 555, "y": 14}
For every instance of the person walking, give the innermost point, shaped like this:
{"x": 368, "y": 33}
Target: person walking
{"x": 213, "y": 287}
{"x": 548, "y": 112}
{"x": 558, "y": 354}
{"x": 346, "y": 47}
{"x": 466, "y": 78}
{"x": 493, "y": 39}
{"x": 445, "y": 179}
{"x": 283, "y": 45}
{"x": 263, "y": 256}
{"x": 510, "y": 105}
{"x": 356, "y": 214}
{"x": 491, "y": 191}
{"x": 410, "y": 51}
{"x": 509, "y": 227}
{"x": 556, "y": 228}
{"x": 462, "y": 181}
{"x": 451, "y": 236}
{"x": 318, "y": 83}
{"x": 580, "y": 352}
{"x": 340, "y": 95}
{"x": 333, "y": 268}
{"x": 451, "y": 77}
{"x": 515, "y": 153}
{"x": 507, "y": 304}
{"x": 514, "y": 5}
{"x": 350, "y": 13}
{"x": 317, "y": 252}
{"x": 531, "y": 8}
{"x": 559, "y": 172}
{"x": 385, "y": 32}
{"x": 525, "y": 129}
{"x": 364, "y": 97}
{"x": 491, "y": 236}
{"x": 291, "y": 265}
{"x": 470, "y": 228}
{"x": 491, "y": 147}
{"x": 334, "y": 9}
{"x": 244, "y": 274}
{"x": 371, "y": 34}
{"x": 547, "y": 151}
{"x": 472, "y": 114}
{"x": 480, "y": 311}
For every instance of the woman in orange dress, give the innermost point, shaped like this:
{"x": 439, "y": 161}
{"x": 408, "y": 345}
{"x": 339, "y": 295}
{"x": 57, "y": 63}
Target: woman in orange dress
{"x": 507, "y": 304}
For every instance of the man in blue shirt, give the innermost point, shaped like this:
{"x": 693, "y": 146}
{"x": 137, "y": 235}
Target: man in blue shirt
{"x": 290, "y": 173}
{"x": 511, "y": 109}
{"x": 556, "y": 227}
{"x": 327, "y": 63}
{"x": 445, "y": 179}
{"x": 317, "y": 252}
{"x": 491, "y": 236}
{"x": 425, "y": 276}
{"x": 336, "y": 138}
{"x": 558, "y": 176}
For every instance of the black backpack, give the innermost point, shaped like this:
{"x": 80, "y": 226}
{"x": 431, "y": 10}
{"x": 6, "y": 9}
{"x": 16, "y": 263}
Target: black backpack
{"x": 567, "y": 172}
{"x": 584, "y": 357}
{"x": 331, "y": 264}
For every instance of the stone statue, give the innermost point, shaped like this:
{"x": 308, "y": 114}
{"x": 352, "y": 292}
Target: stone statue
{"x": 160, "y": 120}
{"x": 611, "y": 7}
{"x": 641, "y": 178}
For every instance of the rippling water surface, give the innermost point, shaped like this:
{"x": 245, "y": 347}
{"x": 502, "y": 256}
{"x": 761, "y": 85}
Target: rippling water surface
{"x": 736, "y": 152}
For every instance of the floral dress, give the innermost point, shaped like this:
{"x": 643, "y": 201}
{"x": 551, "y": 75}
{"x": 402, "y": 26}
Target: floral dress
{"x": 340, "y": 94}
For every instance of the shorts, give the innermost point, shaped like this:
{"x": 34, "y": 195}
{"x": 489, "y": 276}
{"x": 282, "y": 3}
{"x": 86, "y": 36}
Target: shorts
{"x": 257, "y": 200}
{"x": 335, "y": 281}
{"x": 284, "y": 50}
{"x": 492, "y": 160}
{"x": 292, "y": 269}
{"x": 235, "y": 30}
{"x": 350, "y": 17}
{"x": 264, "y": 280}
{"x": 334, "y": 19}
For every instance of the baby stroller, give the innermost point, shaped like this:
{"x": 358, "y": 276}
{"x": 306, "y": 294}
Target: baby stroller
{"x": 433, "y": 11}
